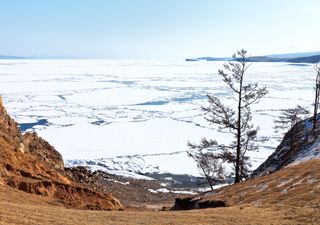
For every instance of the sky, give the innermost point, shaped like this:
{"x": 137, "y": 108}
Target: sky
{"x": 157, "y": 29}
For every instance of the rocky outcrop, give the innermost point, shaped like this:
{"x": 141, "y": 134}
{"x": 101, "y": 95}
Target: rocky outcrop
{"x": 42, "y": 150}
{"x": 32, "y": 165}
{"x": 299, "y": 144}
{"x": 71, "y": 195}
{"x": 130, "y": 191}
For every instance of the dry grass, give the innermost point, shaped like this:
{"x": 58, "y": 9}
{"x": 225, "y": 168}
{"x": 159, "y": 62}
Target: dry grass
{"x": 20, "y": 208}
{"x": 297, "y": 185}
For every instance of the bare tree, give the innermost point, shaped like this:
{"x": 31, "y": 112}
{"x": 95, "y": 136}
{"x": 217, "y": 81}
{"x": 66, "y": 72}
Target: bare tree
{"x": 209, "y": 164}
{"x": 317, "y": 95}
{"x": 289, "y": 117}
{"x": 237, "y": 119}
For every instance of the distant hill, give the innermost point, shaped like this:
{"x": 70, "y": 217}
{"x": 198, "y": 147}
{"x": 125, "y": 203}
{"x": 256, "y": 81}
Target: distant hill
{"x": 306, "y": 57}
{"x": 309, "y": 59}
{"x": 208, "y": 59}
{"x": 294, "y": 55}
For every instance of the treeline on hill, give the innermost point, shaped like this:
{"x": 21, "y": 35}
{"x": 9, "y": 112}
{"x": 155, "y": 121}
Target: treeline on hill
{"x": 236, "y": 120}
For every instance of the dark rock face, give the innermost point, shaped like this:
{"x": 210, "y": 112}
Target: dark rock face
{"x": 197, "y": 203}
{"x": 185, "y": 204}
{"x": 212, "y": 204}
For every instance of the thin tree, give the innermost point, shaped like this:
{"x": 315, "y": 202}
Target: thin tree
{"x": 289, "y": 117}
{"x": 209, "y": 165}
{"x": 317, "y": 95}
{"x": 237, "y": 119}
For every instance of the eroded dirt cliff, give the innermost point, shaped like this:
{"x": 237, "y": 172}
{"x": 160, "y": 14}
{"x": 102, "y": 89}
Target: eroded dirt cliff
{"x": 31, "y": 164}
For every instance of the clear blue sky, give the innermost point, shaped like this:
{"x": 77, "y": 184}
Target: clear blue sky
{"x": 157, "y": 29}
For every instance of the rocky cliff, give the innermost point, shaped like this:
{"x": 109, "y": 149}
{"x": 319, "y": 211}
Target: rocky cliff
{"x": 31, "y": 164}
{"x": 299, "y": 144}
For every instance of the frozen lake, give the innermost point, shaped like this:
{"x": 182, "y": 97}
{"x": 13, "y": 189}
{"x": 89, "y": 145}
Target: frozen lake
{"x": 91, "y": 109}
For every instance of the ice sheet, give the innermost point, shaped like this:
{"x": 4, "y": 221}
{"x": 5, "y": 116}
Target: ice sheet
{"x": 107, "y": 108}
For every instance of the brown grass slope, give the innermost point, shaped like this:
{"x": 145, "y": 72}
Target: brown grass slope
{"x": 19, "y": 208}
{"x": 290, "y": 177}
{"x": 294, "y": 185}
{"x": 32, "y": 165}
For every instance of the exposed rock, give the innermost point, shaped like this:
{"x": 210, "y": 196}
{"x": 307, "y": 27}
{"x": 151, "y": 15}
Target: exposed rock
{"x": 131, "y": 192}
{"x": 185, "y": 204}
{"x": 32, "y": 165}
{"x": 43, "y": 150}
{"x": 299, "y": 144}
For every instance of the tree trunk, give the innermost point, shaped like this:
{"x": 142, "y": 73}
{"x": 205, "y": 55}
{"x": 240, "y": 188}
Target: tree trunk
{"x": 315, "y": 108}
{"x": 316, "y": 101}
{"x": 207, "y": 177}
{"x": 237, "y": 175}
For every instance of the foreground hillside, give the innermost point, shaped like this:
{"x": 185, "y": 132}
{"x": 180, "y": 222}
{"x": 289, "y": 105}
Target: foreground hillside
{"x": 291, "y": 175}
{"x": 295, "y": 185}
{"x": 20, "y": 208}
{"x": 288, "y": 178}
{"x": 288, "y": 196}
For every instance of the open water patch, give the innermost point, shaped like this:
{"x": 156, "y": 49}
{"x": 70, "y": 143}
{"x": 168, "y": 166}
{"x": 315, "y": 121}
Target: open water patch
{"x": 159, "y": 102}
{"x": 26, "y": 126}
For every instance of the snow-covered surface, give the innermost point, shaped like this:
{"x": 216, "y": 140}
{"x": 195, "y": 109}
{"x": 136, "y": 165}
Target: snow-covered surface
{"x": 311, "y": 152}
{"x": 119, "y": 182}
{"x": 98, "y": 110}
{"x": 129, "y": 166}
{"x": 165, "y": 190}
{"x": 214, "y": 187}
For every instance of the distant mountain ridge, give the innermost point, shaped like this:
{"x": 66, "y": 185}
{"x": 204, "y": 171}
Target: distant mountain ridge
{"x": 295, "y": 55}
{"x": 303, "y": 57}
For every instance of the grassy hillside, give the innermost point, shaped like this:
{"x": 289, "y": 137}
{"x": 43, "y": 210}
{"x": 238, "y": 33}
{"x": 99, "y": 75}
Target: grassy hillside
{"x": 17, "y": 207}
